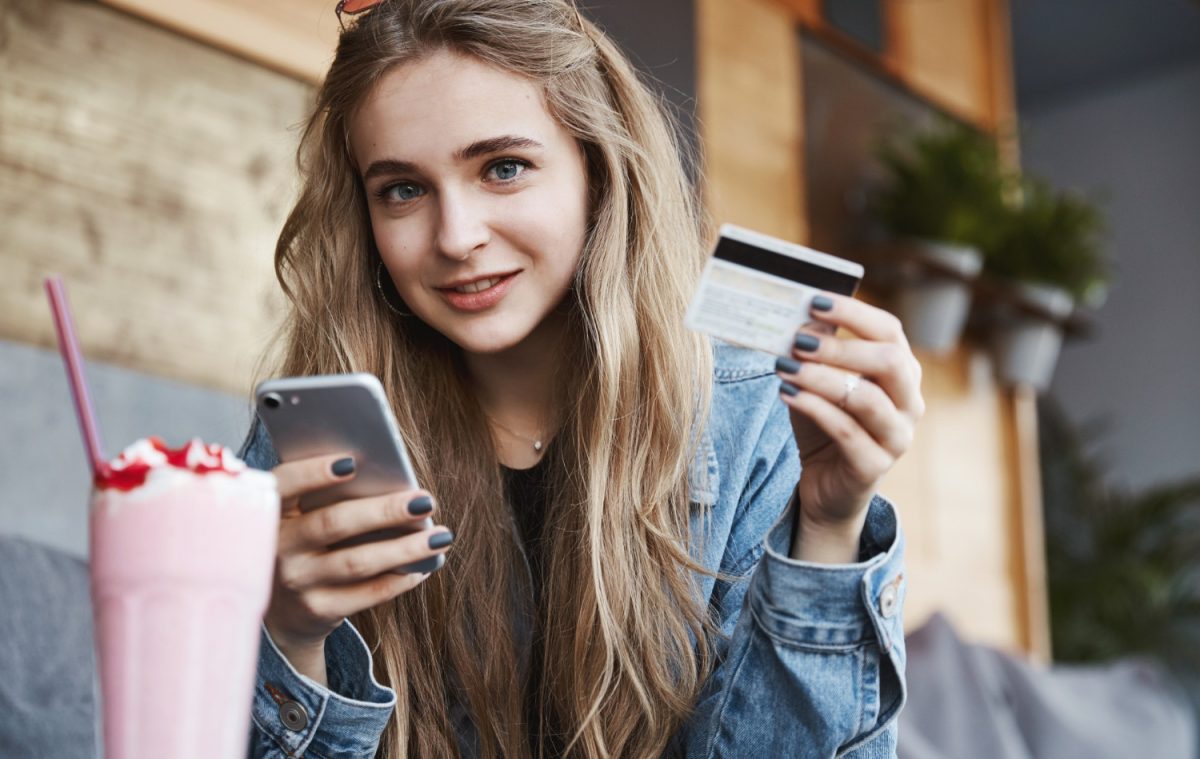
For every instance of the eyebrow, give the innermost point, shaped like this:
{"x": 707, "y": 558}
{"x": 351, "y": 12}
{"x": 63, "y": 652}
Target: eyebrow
{"x": 474, "y": 150}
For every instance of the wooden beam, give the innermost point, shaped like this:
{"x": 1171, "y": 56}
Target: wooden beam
{"x": 1002, "y": 90}
{"x": 1029, "y": 546}
{"x": 942, "y": 48}
{"x": 295, "y": 37}
{"x": 903, "y": 35}
{"x": 807, "y": 12}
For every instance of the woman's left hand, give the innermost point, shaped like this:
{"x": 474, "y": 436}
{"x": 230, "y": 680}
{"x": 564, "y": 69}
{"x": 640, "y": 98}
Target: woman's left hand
{"x": 854, "y": 406}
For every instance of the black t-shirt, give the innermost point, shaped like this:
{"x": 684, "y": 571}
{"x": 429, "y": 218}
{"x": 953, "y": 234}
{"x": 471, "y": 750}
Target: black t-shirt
{"x": 526, "y": 490}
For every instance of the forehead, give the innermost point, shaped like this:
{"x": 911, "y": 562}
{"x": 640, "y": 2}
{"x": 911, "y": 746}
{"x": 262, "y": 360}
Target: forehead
{"x": 432, "y": 107}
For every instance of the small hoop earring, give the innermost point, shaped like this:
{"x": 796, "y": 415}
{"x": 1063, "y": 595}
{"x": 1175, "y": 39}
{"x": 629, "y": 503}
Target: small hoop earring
{"x": 383, "y": 293}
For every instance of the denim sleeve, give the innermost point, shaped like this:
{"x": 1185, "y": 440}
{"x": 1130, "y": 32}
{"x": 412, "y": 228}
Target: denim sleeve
{"x": 812, "y": 659}
{"x": 257, "y": 450}
{"x": 292, "y": 715}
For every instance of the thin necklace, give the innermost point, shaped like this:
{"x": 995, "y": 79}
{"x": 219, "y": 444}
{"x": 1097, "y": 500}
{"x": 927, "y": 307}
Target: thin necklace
{"x": 537, "y": 444}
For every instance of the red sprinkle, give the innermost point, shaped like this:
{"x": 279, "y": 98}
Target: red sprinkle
{"x": 126, "y": 473}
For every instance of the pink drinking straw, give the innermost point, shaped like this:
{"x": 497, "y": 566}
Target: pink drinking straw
{"x": 68, "y": 345}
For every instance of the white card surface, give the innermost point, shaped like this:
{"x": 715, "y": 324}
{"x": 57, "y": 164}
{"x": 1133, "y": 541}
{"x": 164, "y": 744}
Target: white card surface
{"x": 756, "y": 290}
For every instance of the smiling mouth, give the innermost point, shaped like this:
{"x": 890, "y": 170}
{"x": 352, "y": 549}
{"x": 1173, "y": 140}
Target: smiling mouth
{"x": 477, "y": 285}
{"x": 480, "y": 284}
{"x": 478, "y": 294}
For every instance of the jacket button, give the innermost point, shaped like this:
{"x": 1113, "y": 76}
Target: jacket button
{"x": 887, "y": 601}
{"x": 293, "y": 715}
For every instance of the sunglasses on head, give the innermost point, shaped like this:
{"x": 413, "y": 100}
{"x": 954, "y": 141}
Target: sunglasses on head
{"x": 353, "y": 7}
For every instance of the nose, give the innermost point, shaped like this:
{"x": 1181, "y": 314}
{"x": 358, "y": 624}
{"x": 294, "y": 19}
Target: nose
{"x": 462, "y": 226}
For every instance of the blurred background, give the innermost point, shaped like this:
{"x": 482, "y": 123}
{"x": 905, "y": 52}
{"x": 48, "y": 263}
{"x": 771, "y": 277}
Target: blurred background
{"x": 1018, "y": 176}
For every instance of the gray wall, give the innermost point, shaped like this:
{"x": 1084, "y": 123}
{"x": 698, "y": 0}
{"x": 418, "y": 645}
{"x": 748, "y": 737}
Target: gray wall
{"x": 44, "y": 481}
{"x": 660, "y": 37}
{"x": 1136, "y": 143}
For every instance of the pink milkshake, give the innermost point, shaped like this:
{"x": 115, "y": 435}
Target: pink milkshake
{"x": 182, "y": 554}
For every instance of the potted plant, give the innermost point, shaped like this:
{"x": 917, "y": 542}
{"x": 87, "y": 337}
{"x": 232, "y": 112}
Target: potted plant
{"x": 941, "y": 195}
{"x": 1047, "y": 248}
{"x": 1122, "y": 565}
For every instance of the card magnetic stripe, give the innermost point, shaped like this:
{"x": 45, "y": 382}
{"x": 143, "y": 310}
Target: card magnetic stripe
{"x": 785, "y": 266}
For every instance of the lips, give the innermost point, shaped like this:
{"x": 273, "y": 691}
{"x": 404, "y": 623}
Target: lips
{"x": 478, "y": 293}
{"x": 478, "y": 285}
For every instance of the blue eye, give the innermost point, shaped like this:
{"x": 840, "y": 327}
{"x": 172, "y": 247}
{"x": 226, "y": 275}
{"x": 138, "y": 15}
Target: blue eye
{"x": 401, "y": 192}
{"x": 507, "y": 170}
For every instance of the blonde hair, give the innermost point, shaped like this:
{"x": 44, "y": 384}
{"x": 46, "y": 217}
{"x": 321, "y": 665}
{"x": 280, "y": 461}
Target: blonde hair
{"x": 624, "y": 635}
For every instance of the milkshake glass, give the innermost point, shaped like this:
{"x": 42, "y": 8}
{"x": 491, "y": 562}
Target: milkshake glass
{"x": 182, "y": 556}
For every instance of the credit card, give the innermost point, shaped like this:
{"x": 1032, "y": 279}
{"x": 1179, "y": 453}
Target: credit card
{"x": 756, "y": 290}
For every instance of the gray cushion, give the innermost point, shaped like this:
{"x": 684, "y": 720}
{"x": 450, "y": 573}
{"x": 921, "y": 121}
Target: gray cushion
{"x": 973, "y": 701}
{"x": 46, "y": 673}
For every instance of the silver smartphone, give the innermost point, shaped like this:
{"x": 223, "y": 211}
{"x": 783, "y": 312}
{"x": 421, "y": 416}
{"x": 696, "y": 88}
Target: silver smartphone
{"x": 342, "y": 413}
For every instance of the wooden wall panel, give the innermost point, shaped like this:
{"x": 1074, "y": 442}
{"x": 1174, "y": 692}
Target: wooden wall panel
{"x": 151, "y": 171}
{"x": 749, "y": 108}
{"x": 957, "y": 494}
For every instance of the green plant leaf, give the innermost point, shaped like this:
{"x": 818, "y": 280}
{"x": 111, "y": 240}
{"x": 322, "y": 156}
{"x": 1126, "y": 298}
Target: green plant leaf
{"x": 1053, "y": 238}
{"x": 943, "y": 184}
{"x": 1123, "y": 567}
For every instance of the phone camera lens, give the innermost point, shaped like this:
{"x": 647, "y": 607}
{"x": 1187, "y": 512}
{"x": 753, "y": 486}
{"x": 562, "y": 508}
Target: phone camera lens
{"x": 272, "y": 400}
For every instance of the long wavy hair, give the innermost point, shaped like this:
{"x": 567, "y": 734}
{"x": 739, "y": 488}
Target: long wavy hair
{"x": 624, "y": 638}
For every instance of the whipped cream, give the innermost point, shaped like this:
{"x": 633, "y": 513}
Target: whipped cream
{"x": 139, "y": 461}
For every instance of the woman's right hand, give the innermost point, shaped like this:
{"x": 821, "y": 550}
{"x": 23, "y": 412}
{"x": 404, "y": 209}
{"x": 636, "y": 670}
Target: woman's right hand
{"x": 316, "y": 587}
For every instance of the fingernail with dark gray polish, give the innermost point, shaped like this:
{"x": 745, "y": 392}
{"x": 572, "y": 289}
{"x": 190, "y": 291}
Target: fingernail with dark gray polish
{"x": 807, "y": 343}
{"x": 787, "y": 365}
{"x": 422, "y": 504}
{"x": 788, "y": 388}
{"x": 441, "y": 540}
{"x": 822, "y": 303}
{"x": 343, "y": 467}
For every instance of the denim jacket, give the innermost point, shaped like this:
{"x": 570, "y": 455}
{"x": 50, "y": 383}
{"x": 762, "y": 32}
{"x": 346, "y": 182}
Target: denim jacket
{"x": 811, "y": 663}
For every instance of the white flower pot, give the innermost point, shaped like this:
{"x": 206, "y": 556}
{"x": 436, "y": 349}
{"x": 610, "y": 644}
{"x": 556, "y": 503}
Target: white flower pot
{"x": 1026, "y": 347}
{"x": 933, "y": 306}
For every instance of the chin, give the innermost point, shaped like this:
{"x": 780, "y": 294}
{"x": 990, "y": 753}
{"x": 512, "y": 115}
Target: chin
{"x": 488, "y": 341}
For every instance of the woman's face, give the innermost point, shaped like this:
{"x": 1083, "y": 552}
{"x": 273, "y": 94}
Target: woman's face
{"x": 478, "y": 197}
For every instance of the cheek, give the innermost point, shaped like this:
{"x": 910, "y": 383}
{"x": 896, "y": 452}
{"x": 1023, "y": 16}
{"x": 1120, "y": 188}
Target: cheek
{"x": 404, "y": 267}
{"x": 562, "y": 244}
{"x": 565, "y": 238}
{"x": 577, "y": 237}
{"x": 399, "y": 245}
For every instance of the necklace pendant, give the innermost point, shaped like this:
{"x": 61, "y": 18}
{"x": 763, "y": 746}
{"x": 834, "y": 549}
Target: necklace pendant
{"x": 537, "y": 445}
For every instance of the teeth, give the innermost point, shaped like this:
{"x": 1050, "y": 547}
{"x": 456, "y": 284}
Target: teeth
{"x": 475, "y": 287}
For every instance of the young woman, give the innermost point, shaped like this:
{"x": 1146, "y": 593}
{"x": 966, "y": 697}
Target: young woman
{"x": 494, "y": 219}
